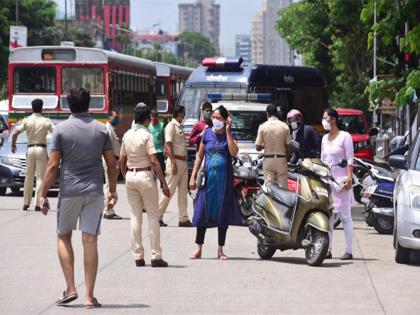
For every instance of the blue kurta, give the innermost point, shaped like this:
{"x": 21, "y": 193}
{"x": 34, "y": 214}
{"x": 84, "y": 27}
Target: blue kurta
{"x": 216, "y": 205}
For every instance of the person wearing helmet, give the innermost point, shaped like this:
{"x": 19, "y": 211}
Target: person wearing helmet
{"x": 305, "y": 135}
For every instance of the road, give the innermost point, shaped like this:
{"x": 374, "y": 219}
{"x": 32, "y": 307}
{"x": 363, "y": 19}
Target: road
{"x": 31, "y": 278}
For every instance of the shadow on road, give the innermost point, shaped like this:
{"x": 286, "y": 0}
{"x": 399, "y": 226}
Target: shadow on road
{"x": 295, "y": 261}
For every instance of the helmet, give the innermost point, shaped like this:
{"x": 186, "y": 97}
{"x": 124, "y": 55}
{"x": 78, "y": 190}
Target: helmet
{"x": 294, "y": 113}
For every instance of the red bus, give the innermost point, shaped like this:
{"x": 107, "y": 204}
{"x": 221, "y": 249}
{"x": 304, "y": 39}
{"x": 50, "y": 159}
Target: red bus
{"x": 116, "y": 81}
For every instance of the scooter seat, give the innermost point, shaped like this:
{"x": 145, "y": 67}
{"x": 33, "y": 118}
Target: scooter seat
{"x": 281, "y": 195}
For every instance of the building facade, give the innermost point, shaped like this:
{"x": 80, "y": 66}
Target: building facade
{"x": 111, "y": 16}
{"x": 203, "y": 17}
{"x": 267, "y": 45}
{"x": 243, "y": 47}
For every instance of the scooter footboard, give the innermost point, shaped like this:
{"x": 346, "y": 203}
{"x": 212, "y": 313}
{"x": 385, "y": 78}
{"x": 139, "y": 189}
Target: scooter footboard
{"x": 319, "y": 221}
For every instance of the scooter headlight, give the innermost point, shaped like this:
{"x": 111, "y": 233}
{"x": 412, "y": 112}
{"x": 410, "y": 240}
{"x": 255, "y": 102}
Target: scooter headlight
{"x": 415, "y": 197}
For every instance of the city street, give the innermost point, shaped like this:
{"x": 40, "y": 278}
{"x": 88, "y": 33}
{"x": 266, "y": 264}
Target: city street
{"x": 31, "y": 279}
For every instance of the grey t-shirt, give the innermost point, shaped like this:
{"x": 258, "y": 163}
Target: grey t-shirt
{"x": 81, "y": 141}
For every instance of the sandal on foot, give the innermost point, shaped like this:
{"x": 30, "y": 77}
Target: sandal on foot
{"x": 223, "y": 257}
{"x": 67, "y": 298}
{"x": 95, "y": 304}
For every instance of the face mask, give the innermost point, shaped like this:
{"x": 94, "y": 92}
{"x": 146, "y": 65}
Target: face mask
{"x": 294, "y": 125}
{"x": 115, "y": 121}
{"x": 207, "y": 115}
{"x": 218, "y": 124}
{"x": 326, "y": 124}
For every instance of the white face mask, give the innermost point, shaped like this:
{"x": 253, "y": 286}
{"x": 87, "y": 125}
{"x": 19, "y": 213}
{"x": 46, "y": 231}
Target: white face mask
{"x": 294, "y": 125}
{"x": 218, "y": 124}
{"x": 326, "y": 125}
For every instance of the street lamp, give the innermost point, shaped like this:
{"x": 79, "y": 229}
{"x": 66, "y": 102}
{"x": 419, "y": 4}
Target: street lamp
{"x": 118, "y": 28}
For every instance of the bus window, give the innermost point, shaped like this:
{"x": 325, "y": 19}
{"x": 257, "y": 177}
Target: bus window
{"x": 193, "y": 96}
{"x": 160, "y": 88}
{"x": 91, "y": 79}
{"x": 34, "y": 80}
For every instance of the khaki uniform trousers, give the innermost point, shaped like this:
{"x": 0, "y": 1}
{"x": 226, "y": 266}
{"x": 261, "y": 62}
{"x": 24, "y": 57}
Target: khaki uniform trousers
{"x": 110, "y": 211}
{"x": 36, "y": 164}
{"x": 180, "y": 181}
{"x": 142, "y": 194}
{"x": 275, "y": 169}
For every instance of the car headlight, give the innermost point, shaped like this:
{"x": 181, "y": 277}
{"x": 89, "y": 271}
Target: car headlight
{"x": 415, "y": 197}
{"x": 9, "y": 161}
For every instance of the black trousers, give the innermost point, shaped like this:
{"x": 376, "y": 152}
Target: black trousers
{"x": 161, "y": 159}
{"x": 201, "y": 233}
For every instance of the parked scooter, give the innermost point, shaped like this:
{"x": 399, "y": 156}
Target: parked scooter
{"x": 286, "y": 219}
{"x": 377, "y": 196}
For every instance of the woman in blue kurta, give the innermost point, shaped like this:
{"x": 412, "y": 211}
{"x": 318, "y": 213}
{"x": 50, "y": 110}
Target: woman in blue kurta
{"x": 216, "y": 205}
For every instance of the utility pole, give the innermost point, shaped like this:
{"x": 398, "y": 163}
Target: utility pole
{"x": 65, "y": 20}
{"x": 17, "y": 12}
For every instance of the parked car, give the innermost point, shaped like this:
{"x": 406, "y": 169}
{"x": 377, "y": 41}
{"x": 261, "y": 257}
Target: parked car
{"x": 3, "y": 130}
{"x": 407, "y": 202}
{"x": 354, "y": 122}
{"x": 13, "y": 165}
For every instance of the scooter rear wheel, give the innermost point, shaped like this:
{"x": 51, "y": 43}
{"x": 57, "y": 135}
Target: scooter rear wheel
{"x": 265, "y": 252}
{"x": 383, "y": 225}
{"x": 316, "y": 252}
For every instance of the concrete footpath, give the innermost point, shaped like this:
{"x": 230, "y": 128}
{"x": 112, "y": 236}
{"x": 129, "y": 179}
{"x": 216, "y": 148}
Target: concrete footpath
{"x": 31, "y": 278}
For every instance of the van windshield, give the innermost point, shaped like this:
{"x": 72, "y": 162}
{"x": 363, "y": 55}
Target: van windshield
{"x": 245, "y": 124}
{"x": 193, "y": 97}
{"x": 354, "y": 124}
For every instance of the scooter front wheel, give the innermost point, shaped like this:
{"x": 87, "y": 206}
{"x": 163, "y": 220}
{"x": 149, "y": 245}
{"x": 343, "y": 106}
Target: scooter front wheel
{"x": 317, "y": 250}
{"x": 265, "y": 252}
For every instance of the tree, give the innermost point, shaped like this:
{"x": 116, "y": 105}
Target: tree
{"x": 330, "y": 36}
{"x": 41, "y": 27}
{"x": 194, "y": 47}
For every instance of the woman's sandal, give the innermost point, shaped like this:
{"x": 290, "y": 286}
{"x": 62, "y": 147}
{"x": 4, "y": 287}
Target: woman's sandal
{"x": 95, "y": 304}
{"x": 66, "y": 298}
{"x": 222, "y": 257}
{"x": 195, "y": 256}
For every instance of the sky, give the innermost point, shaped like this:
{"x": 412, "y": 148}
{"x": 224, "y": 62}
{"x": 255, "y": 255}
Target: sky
{"x": 235, "y": 17}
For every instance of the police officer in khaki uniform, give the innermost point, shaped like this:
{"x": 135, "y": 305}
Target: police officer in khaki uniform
{"x": 137, "y": 158}
{"x": 176, "y": 166}
{"x": 111, "y": 124}
{"x": 37, "y": 128}
{"x": 274, "y": 138}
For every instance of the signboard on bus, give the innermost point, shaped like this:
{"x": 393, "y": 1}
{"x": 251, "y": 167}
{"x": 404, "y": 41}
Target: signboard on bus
{"x": 18, "y": 36}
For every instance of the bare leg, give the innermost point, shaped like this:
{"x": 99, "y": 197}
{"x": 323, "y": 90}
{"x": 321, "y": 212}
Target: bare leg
{"x": 90, "y": 246}
{"x": 66, "y": 257}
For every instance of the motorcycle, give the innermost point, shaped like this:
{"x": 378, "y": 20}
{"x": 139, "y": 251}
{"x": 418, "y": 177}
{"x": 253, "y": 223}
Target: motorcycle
{"x": 378, "y": 200}
{"x": 297, "y": 219}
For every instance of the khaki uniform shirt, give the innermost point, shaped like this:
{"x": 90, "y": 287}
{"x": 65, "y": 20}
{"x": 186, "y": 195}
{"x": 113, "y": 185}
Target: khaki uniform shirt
{"x": 116, "y": 146}
{"x": 175, "y": 135}
{"x": 37, "y": 128}
{"x": 137, "y": 145}
{"x": 274, "y": 135}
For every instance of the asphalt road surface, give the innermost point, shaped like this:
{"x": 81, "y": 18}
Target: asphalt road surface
{"x": 31, "y": 278}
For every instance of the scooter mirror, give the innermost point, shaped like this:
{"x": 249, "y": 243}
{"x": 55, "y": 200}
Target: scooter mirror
{"x": 343, "y": 163}
{"x": 295, "y": 146}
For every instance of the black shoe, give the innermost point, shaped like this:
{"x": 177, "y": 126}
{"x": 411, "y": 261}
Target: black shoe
{"x": 159, "y": 263}
{"x": 25, "y": 207}
{"x": 37, "y": 208}
{"x": 161, "y": 223}
{"x": 347, "y": 256}
{"x": 140, "y": 262}
{"x": 185, "y": 224}
{"x": 113, "y": 216}
{"x": 328, "y": 255}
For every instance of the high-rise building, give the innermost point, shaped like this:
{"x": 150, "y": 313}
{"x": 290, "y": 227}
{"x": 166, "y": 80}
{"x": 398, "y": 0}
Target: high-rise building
{"x": 111, "y": 15}
{"x": 267, "y": 45}
{"x": 243, "y": 47}
{"x": 203, "y": 17}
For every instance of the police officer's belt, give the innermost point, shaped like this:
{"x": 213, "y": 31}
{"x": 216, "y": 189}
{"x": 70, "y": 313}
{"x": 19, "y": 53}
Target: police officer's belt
{"x": 141, "y": 169}
{"x": 37, "y": 145}
{"x": 178, "y": 157}
{"x": 274, "y": 156}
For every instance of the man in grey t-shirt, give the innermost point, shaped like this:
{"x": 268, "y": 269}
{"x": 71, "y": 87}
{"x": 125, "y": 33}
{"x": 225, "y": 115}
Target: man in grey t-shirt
{"x": 79, "y": 142}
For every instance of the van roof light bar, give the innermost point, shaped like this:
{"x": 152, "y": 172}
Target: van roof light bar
{"x": 222, "y": 62}
{"x": 256, "y": 97}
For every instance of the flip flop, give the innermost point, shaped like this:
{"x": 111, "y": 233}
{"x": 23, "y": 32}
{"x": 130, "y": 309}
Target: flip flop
{"x": 95, "y": 304}
{"x": 67, "y": 298}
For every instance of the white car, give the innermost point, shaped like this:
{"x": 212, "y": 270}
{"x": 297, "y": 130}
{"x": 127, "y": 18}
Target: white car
{"x": 407, "y": 202}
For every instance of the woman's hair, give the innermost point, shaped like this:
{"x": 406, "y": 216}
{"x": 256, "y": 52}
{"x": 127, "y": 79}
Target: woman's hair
{"x": 223, "y": 111}
{"x": 334, "y": 114}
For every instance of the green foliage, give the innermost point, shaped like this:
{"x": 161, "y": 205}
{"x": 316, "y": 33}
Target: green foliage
{"x": 194, "y": 47}
{"x": 37, "y": 15}
{"x": 330, "y": 36}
